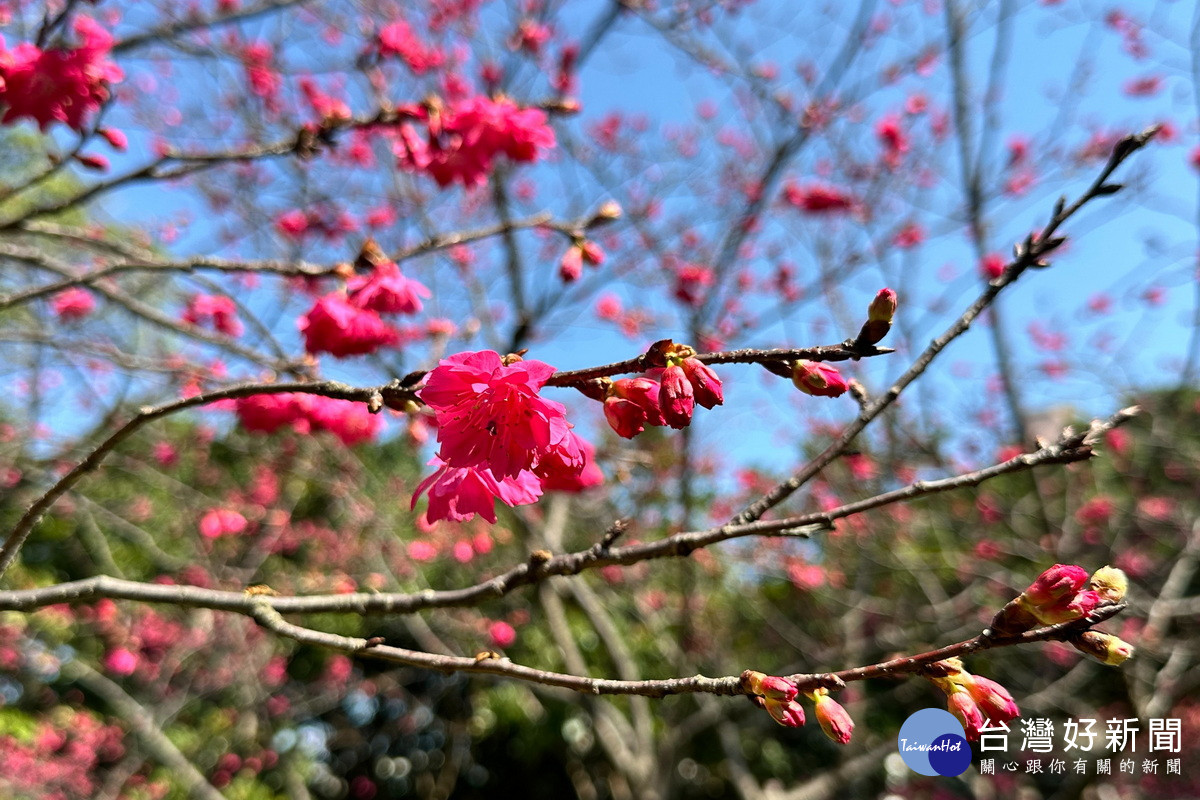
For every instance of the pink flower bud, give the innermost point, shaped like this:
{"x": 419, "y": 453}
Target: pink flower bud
{"x": 960, "y": 704}
{"x": 883, "y": 307}
{"x": 644, "y": 393}
{"x": 789, "y": 714}
{"x": 675, "y": 397}
{"x": 705, "y": 384}
{"x": 833, "y": 719}
{"x": 571, "y": 265}
{"x": 1078, "y": 606}
{"x": 818, "y": 379}
{"x": 1060, "y": 582}
{"x": 592, "y": 253}
{"x": 115, "y": 138}
{"x": 770, "y": 687}
{"x": 624, "y": 417}
{"x": 993, "y": 699}
{"x": 501, "y": 634}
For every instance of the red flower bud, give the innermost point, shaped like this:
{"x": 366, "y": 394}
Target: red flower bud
{"x": 592, "y": 253}
{"x": 675, "y": 397}
{"x": 993, "y": 699}
{"x": 642, "y": 392}
{"x": 1060, "y": 582}
{"x": 960, "y": 704}
{"x": 820, "y": 380}
{"x": 1078, "y": 606}
{"x": 625, "y": 417}
{"x": 705, "y": 384}
{"x": 789, "y": 715}
{"x": 571, "y": 265}
{"x": 770, "y": 687}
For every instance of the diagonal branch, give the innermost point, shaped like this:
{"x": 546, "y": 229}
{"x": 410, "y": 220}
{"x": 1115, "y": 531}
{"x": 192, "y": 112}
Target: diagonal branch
{"x": 1073, "y": 446}
{"x": 1028, "y": 254}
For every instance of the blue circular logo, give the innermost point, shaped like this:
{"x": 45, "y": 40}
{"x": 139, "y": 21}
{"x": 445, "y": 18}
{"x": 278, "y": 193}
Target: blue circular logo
{"x": 933, "y": 742}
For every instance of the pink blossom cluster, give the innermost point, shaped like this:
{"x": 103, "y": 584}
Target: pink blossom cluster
{"x": 352, "y": 423}
{"x": 498, "y": 438}
{"x": 349, "y": 324}
{"x": 323, "y": 220}
{"x": 462, "y": 141}
{"x": 58, "y": 84}
{"x": 399, "y": 40}
{"x": 59, "y": 761}
{"x": 216, "y": 311}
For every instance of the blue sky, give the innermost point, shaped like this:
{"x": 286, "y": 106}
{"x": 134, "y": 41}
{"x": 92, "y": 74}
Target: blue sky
{"x": 1122, "y": 250}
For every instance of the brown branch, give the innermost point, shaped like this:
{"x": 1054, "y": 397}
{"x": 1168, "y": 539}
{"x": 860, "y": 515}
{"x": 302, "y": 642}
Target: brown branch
{"x": 1073, "y": 446}
{"x": 486, "y": 663}
{"x": 195, "y": 22}
{"x": 1029, "y": 253}
{"x": 843, "y": 351}
{"x": 910, "y": 665}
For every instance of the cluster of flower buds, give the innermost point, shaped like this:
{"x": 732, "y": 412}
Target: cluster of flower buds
{"x": 1061, "y": 594}
{"x": 582, "y": 251}
{"x": 818, "y": 379}
{"x": 973, "y": 699}
{"x": 778, "y": 697}
{"x": 631, "y": 404}
{"x": 879, "y": 318}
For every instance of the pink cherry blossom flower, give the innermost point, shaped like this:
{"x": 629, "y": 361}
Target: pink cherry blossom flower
{"x": 120, "y": 662}
{"x": 558, "y": 474}
{"x": 386, "y": 291}
{"x": 398, "y": 39}
{"x": 73, "y": 303}
{"x": 502, "y": 634}
{"x": 58, "y": 85}
{"x": 490, "y": 415}
{"x": 216, "y": 311}
{"x": 336, "y": 327}
{"x": 459, "y": 493}
{"x": 220, "y": 522}
{"x": 351, "y": 422}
